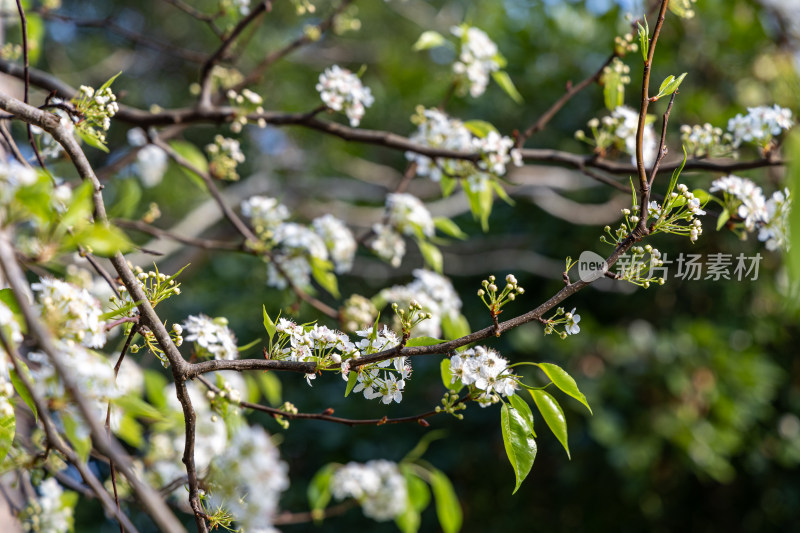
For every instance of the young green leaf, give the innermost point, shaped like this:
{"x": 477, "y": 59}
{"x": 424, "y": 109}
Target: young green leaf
{"x": 523, "y": 409}
{"x": 502, "y": 79}
{"x": 644, "y": 38}
{"x": 423, "y": 341}
{"x": 723, "y": 218}
{"x": 564, "y": 382}
{"x": 447, "y": 507}
{"x": 352, "y": 379}
{"x": 270, "y": 387}
{"x": 448, "y": 227}
{"x": 22, "y": 390}
{"x": 8, "y": 427}
{"x": 552, "y": 414}
{"x": 318, "y": 492}
{"x": 428, "y": 40}
{"x": 322, "y": 273}
{"x": 479, "y": 128}
{"x": 519, "y": 443}
{"x": 431, "y": 254}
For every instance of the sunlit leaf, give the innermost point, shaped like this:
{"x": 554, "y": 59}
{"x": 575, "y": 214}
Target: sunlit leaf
{"x": 519, "y": 443}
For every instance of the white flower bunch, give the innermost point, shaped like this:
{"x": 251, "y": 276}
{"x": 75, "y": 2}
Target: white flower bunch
{"x": 377, "y": 485}
{"x": 297, "y": 246}
{"x": 436, "y": 295}
{"x": 212, "y": 337}
{"x": 705, "y": 140}
{"x": 339, "y": 241}
{"x": 496, "y": 152}
{"x": 388, "y": 244}
{"x": 341, "y": 90}
{"x": 745, "y": 200}
{"x": 311, "y": 343}
{"x": 265, "y": 214}
{"x": 358, "y": 312}
{"x": 760, "y": 125}
{"x": 49, "y": 512}
{"x": 248, "y": 477}
{"x": 224, "y": 154}
{"x": 437, "y": 130}
{"x": 478, "y": 58}
{"x": 385, "y": 380}
{"x": 752, "y": 206}
{"x": 618, "y": 131}
{"x": 486, "y": 371}
{"x": 71, "y": 312}
{"x": 408, "y": 215}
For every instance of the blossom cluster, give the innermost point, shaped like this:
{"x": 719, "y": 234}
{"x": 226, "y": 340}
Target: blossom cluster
{"x": 248, "y": 477}
{"x": 760, "y": 125}
{"x": 477, "y": 59}
{"x": 225, "y": 154}
{"x": 341, "y": 90}
{"x": 485, "y": 370}
{"x": 71, "y": 312}
{"x": 618, "y": 131}
{"x": 377, "y": 485}
{"x": 496, "y": 152}
{"x": 212, "y": 337}
{"x": 324, "y": 346}
{"x": 705, "y": 140}
{"x": 97, "y": 107}
{"x": 50, "y": 512}
{"x": 434, "y": 293}
{"x": 405, "y": 215}
{"x": 745, "y": 200}
{"x": 297, "y": 248}
{"x": 436, "y": 130}
{"x": 13, "y": 334}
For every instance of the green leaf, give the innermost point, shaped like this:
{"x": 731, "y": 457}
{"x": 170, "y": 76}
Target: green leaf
{"x": 155, "y": 384}
{"x": 322, "y": 272}
{"x": 423, "y": 444}
{"x": 319, "y": 492}
{"x": 130, "y": 431}
{"x": 552, "y": 414}
{"x": 352, "y": 379}
{"x": 431, "y": 254}
{"x": 36, "y": 33}
{"x": 664, "y": 83}
{"x": 448, "y": 227}
{"x": 7, "y": 297}
{"x": 502, "y": 79}
{"x": 195, "y": 156}
{"x": 271, "y": 387}
{"x": 80, "y": 207}
{"x": 91, "y": 140}
{"x": 455, "y": 325}
{"x": 8, "y": 427}
{"x": 448, "y": 185}
{"x": 564, "y": 382}
{"x": 447, "y": 377}
{"x": 21, "y": 389}
{"x": 519, "y": 443}
{"x": 128, "y": 195}
{"x": 644, "y": 38}
{"x": 447, "y": 507}
{"x": 408, "y": 521}
{"x": 524, "y": 410}
{"x": 480, "y": 203}
{"x": 419, "y": 496}
{"x": 247, "y": 346}
{"x": 103, "y": 240}
{"x": 670, "y": 85}
{"x": 501, "y": 193}
{"x": 428, "y": 40}
{"x": 480, "y": 128}
{"x": 135, "y": 406}
{"x": 72, "y": 428}
{"x": 108, "y": 83}
{"x": 423, "y": 341}
{"x": 723, "y": 218}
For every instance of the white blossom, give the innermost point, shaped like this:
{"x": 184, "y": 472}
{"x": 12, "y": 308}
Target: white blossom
{"x": 48, "y": 513}
{"x": 408, "y": 215}
{"x": 753, "y": 206}
{"x": 341, "y": 90}
{"x": 248, "y": 477}
{"x": 151, "y": 163}
{"x": 478, "y": 58}
{"x": 388, "y": 244}
{"x": 487, "y": 370}
{"x": 437, "y": 130}
{"x": 265, "y": 213}
{"x": 212, "y": 337}
{"x": 759, "y": 125}
{"x": 377, "y": 485}
{"x": 72, "y": 312}
{"x": 436, "y": 295}
{"x": 626, "y": 125}
{"x": 338, "y": 239}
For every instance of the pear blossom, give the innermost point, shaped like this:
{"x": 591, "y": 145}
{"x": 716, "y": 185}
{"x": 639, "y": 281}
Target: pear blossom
{"x": 341, "y": 90}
